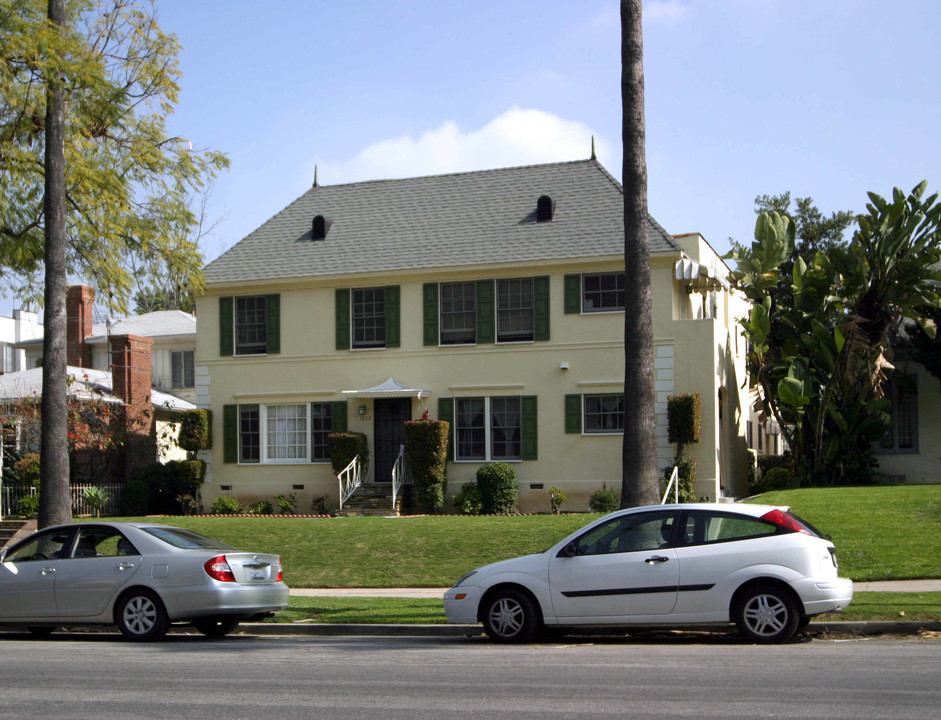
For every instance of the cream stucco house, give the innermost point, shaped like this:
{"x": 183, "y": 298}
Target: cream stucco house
{"x": 490, "y": 299}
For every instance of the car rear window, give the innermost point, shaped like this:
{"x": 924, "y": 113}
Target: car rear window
{"x": 186, "y": 539}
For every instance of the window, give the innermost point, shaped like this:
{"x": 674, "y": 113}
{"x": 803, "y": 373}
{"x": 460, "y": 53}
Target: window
{"x": 603, "y": 292}
{"x": 604, "y": 413}
{"x": 281, "y": 434}
{"x": 183, "y": 368}
{"x": 708, "y": 527}
{"x": 369, "y": 318}
{"x": 490, "y": 429}
{"x": 458, "y": 313}
{"x": 629, "y": 533}
{"x": 321, "y": 425}
{"x": 902, "y": 433}
{"x": 515, "y": 310}
{"x": 250, "y": 325}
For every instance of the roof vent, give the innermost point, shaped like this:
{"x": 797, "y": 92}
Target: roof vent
{"x": 545, "y": 207}
{"x": 320, "y": 227}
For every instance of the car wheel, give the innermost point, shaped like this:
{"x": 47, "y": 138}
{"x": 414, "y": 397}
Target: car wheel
{"x": 510, "y": 617}
{"x": 41, "y": 631}
{"x": 766, "y": 615}
{"x": 141, "y": 616}
{"x": 215, "y": 628}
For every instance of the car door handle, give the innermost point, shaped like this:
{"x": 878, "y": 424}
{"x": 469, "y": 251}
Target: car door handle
{"x": 656, "y": 559}
{"x": 48, "y": 570}
{"x": 126, "y": 566}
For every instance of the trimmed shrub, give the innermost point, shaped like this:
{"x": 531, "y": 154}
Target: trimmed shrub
{"x": 26, "y": 469}
{"x": 135, "y": 495}
{"x": 468, "y": 502}
{"x": 223, "y": 505}
{"x": 777, "y": 478}
{"x": 686, "y": 477}
{"x": 28, "y": 506}
{"x": 195, "y": 430}
{"x": 344, "y": 446}
{"x": 262, "y": 507}
{"x": 684, "y": 413}
{"x": 499, "y": 489}
{"x": 286, "y": 503}
{"x": 426, "y": 444}
{"x": 604, "y": 500}
{"x": 556, "y": 498}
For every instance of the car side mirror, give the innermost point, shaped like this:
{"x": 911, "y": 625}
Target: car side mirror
{"x": 570, "y": 550}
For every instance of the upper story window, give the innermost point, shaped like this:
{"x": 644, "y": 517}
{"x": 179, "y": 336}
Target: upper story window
{"x": 183, "y": 368}
{"x": 458, "y": 313}
{"x": 603, "y": 292}
{"x": 369, "y": 318}
{"x": 250, "y": 325}
{"x": 515, "y": 310}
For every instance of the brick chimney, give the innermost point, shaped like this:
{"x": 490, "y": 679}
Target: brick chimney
{"x": 131, "y": 378}
{"x": 79, "y": 303}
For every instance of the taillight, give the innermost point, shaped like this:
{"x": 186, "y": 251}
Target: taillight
{"x": 218, "y": 569}
{"x": 280, "y": 572}
{"x": 786, "y": 521}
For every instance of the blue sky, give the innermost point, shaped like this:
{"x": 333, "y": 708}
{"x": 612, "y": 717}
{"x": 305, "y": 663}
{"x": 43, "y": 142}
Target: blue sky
{"x": 826, "y": 98}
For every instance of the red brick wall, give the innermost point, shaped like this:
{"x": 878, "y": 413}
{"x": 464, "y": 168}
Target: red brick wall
{"x": 79, "y": 302}
{"x": 130, "y": 371}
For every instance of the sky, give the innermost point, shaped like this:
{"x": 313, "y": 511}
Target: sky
{"x": 823, "y": 98}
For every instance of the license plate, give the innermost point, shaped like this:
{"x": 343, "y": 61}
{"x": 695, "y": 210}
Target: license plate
{"x": 257, "y": 575}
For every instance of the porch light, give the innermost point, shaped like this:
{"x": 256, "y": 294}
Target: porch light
{"x": 361, "y": 409}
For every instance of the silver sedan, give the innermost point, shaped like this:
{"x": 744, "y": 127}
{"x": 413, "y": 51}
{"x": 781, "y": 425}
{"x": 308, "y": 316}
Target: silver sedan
{"x": 140, "y": 577}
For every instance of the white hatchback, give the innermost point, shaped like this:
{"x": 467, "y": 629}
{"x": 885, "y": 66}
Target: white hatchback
{"x": 757, "y": 566}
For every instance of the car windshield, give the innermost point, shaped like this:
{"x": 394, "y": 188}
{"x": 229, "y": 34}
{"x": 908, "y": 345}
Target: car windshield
{"x": 186, "y": 539}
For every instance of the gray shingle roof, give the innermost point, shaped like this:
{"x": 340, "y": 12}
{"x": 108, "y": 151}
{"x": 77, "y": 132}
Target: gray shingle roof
{"x": 483, "y": 217}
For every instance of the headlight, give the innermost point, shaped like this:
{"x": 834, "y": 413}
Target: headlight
{"x": 464, "y": 577}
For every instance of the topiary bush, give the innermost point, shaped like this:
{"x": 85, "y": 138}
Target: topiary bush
{"x": 344, "y": 446}
{"x": 195, "y": 430}
{"x": 223, "y": 505}
{"x": 687, "y": 480}
{"x": 426, "y": 445}
{"x": 468, "y": 501}
{"x": 604, "y": 500}
{"x": 777, "y": 478}
{"x": 499, "y": 489}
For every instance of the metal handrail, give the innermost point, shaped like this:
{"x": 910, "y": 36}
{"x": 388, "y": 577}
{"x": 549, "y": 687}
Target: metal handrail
{"x": 351, "y": 477}
{"x": 400, "y": 474}
{"x": 674, "y": 484}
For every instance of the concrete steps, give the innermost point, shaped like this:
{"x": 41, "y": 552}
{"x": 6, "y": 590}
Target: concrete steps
{"x": 9, "y": 529}
{"x": 370, "y": 500}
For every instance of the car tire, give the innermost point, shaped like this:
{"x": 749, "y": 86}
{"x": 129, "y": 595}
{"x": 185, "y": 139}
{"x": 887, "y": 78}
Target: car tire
{"x": 212, "y": 628}
{"x": 510, "y": 617}
{"x": 766, "y": 614}
{"x": 141, "y": 617}
{"x": 41, "y": 631}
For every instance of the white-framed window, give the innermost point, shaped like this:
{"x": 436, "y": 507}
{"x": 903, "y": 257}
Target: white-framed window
{"x": 251, "y": 325}
{"x": 369, "y": 318}
{"x": 321, "y": 425}
{"x": 603, "y": 414}
{"x": 273, "y": 433}
{"x": 458, "y": 313}
{"x": 488, "y": 429}
{"x": 183, "y": 368}
{"x": 603, "y": 292}
{"x": 515, "y": 310}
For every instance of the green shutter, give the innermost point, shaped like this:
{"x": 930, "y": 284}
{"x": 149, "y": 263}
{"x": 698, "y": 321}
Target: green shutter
{"x": 573, "y": 414}
{"x": 446, "y": 413}
{"x": 339, "y": 411}
{"x": 430, "y": 313}
{"x": 230, "y": 433}
{"x": 541, "y": 308}
{"x": 343, "y": 319}
{"x": 273, "y": 324}
{"x": 573, "y": 294}
{"x": 528, "y": 427}
{"x": 486, "y": 325}
{"x": 393, "y": 321}
{"x": 226, "y": 327}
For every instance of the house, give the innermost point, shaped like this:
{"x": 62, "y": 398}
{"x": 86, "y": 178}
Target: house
{"x": 491, "y": 299}
{"x": 24, "y": 326}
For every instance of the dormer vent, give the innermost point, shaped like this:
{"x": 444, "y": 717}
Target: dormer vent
{"x": 545, "y": 207}
{"x": 320, "y": 227}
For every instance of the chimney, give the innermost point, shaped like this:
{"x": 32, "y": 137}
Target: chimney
{"x": 79, "y": 303}
{"x": 131, "y": 378}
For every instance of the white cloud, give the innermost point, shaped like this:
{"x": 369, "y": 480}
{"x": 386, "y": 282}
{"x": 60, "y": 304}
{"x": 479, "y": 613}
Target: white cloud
{"x": 668, "y": 12}
{"x": 517, "y": 137}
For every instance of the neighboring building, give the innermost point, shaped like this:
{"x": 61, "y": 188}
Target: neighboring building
{"x": 23, "y": 327}
{"x": 491, "y": 299}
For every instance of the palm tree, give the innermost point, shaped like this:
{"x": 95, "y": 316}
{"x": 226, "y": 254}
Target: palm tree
{"x": 639, "y": 481}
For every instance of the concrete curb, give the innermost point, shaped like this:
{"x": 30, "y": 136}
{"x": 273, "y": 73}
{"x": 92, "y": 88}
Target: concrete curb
{"x": 328, "y": 629}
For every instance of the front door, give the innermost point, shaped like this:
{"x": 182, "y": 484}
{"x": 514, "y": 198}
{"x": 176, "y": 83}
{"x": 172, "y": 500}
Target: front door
{"x": 390, "y": 416}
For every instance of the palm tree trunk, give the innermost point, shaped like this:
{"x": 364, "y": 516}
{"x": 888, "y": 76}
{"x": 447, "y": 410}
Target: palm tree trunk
{"x": 639, "y": 481}
{"x": 55, "y": 503}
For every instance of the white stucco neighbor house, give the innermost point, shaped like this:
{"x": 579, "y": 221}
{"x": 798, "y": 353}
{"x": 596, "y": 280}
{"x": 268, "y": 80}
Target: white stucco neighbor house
{"x": 491, "y": 299}
{"x": 23, "y": 326}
